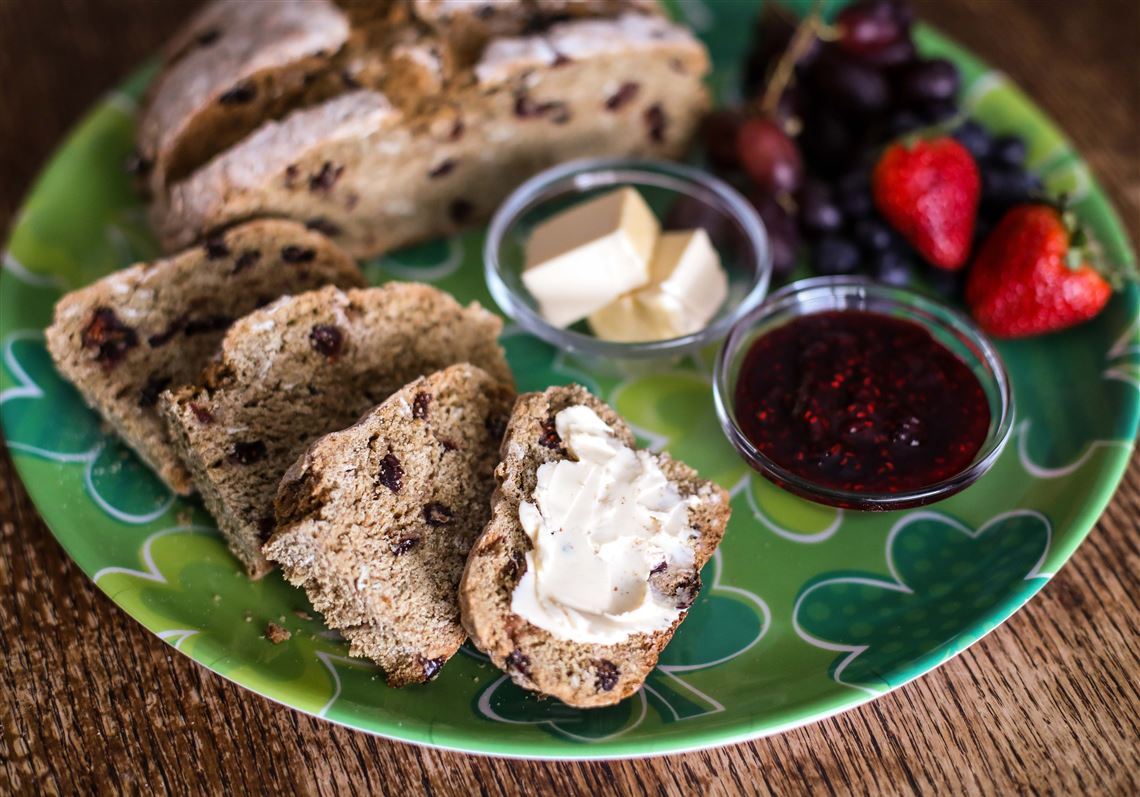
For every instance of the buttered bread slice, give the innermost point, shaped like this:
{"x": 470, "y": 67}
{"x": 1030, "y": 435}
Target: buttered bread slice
{"x": 374, "y": 522}
{"x": 124, "y": 339}
{"x": 593, "y": 552}
{"x": 301, "y": 368}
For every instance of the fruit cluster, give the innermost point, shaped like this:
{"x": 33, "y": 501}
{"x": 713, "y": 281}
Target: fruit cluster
{"x": 853, "y": 144}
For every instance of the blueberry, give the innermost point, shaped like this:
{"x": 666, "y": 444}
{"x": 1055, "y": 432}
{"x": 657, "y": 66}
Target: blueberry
{"x": 1009, "y": 151}
{"x": 1003, "y": 187}
{"x": 833, "y": 255}
{"x": 818, "y": 212}
{"x": 856, "y": 205}
{"x": 872, "y": 234}
{"x": 975, "y": 138}
{"x": 892, "y": 268}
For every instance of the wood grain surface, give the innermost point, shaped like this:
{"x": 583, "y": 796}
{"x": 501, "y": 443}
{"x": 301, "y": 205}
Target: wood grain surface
{"x": 90, "y": 702}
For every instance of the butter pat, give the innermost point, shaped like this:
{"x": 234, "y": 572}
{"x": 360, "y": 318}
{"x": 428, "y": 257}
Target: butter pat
{"x": 599, "y": 524}
{"x": 581, "y": 260}
{"x": 687, "y": 285}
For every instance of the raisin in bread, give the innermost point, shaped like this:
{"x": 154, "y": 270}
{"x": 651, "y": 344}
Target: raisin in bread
{"x": 578, "y": 674}
{"x": 300, "y": 368}
{"x": 375, "y": 521}
{"x": 124, "y": 339}
{"x": 380, "y": 169}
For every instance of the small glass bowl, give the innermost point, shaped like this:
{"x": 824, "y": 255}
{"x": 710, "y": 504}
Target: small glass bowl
{"x": 681, "y": 196}
{"x": 949, "y": 327}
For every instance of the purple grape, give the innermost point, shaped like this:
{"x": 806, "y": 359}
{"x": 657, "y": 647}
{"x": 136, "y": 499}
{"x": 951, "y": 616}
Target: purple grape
{"x": 940, "y": 111}
{"x": 832, "y": 255}
{"x": 927, "y": 82}
{"x": 895, "y": 54}
{"x": 903, "y": 122}
{"x": 868, "y": 26}
{"x": 1009, "y": 151}
{"x": 818, "y": 212}
{"x": 783, "y": 238}
{"x": 768, "y": 156}
{"x": 827, "y": 142}
{"x": 854, "y": 86}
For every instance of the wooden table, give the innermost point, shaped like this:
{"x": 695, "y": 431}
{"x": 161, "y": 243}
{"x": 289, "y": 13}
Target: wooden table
{"x": 90, "y": 701}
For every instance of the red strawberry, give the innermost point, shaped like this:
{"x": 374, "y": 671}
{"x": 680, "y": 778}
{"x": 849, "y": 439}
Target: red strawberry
{"x": 1032, "y": 275}
{"x": 928, "y": 190}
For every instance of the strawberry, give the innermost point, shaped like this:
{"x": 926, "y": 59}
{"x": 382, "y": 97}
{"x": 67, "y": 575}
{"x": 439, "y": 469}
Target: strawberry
{"x": 1033, "y": 275}
{"x": 928, "y": 189}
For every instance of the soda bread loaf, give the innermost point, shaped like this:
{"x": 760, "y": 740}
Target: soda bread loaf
{"x": 439, "y": 130}
{"x": 124, "y": 339}
{"x": 578, "y": 674}
{"x": 300, "y": 368}
{"x": 374, "y": 522}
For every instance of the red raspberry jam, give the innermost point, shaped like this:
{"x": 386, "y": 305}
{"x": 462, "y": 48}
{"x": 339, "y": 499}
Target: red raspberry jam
{"x": 861, "y": 402}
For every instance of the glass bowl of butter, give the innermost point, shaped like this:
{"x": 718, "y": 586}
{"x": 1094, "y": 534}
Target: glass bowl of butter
{"x": 622, "y": 258}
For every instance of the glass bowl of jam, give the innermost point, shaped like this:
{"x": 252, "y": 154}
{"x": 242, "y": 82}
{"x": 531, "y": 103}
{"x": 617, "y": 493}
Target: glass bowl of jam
{"x": 680, "y": 198}
{"x": 861, "y": 395}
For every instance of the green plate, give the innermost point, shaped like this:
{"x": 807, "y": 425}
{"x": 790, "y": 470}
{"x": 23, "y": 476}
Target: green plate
{"x": 806, "y": 611}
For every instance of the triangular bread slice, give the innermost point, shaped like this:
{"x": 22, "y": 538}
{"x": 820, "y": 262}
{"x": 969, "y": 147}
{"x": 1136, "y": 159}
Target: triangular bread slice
{"x": 375, "y": 521}
{"x": 124, "y": 339}
{"x": 301, "y": 368}
{"x": 579, "y": 674}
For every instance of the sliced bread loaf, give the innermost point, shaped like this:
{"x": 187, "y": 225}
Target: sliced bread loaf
{"x": 300, "y": 368}
{"x": 232, "y": 66}
{"x": 124, "y": 339}
{"x": 442, "y": 148}
{"x": 375, "y": 521}
{"x": 580, "y": 674}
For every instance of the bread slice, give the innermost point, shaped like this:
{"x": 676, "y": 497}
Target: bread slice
{"x": 124, "y": 339}
{"x": 440, "y": 149}
{"x": 374, "y": 522}
{"x": 578, "y": 674}
{"x": 233, "y": 65}
{"x": 301, "y": 368}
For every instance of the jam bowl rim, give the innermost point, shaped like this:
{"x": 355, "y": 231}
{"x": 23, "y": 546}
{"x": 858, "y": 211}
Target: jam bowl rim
{"x": 916, "y": 308}
{"x": 586, "y": 174}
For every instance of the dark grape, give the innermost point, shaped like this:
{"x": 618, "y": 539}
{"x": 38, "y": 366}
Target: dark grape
{"x": 872, "y": 234}
{"x": 895, "y": 54}
{"x": 975, "y": 138}
{"x": 868, "y": 26}
{"x": 827, "y": 142}
{"x": 856, "y": 204}
{"x": 1009, "y": 151}
{"x": 768, "y": 156}
{"x": 904, "y": 122}
{"x": 783, "y": 238}
{"x": 891, "y": 267}
{"x": 719, "y": 130}
{"x": 833, "y": 255}
{"x": 938, "y": 112}
{"x": 854, "y": 86}
{"x": 926, "y": 82}
{"x": 791, "y": 105}
{"x": 818, "y": 212}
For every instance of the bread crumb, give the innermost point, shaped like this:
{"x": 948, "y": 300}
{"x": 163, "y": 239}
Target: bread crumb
{"x": 276, "y": 634}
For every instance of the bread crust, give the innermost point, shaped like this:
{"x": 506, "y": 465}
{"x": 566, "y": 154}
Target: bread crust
{"x": 124, "y": 339}
{"x": 579, "y": 674}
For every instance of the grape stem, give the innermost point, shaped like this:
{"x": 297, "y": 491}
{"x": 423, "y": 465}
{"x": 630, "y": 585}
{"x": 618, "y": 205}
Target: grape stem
{"x": 809, "y": 28}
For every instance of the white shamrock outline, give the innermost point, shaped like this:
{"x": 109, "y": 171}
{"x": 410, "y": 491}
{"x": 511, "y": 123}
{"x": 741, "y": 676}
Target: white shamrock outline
{"x": 780, "y": 531}
{"x": 26, "y": 388}
{"x": 896, "y": 584}
{"x": 670, "y": 671}
{"x": 21, "y": 273}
